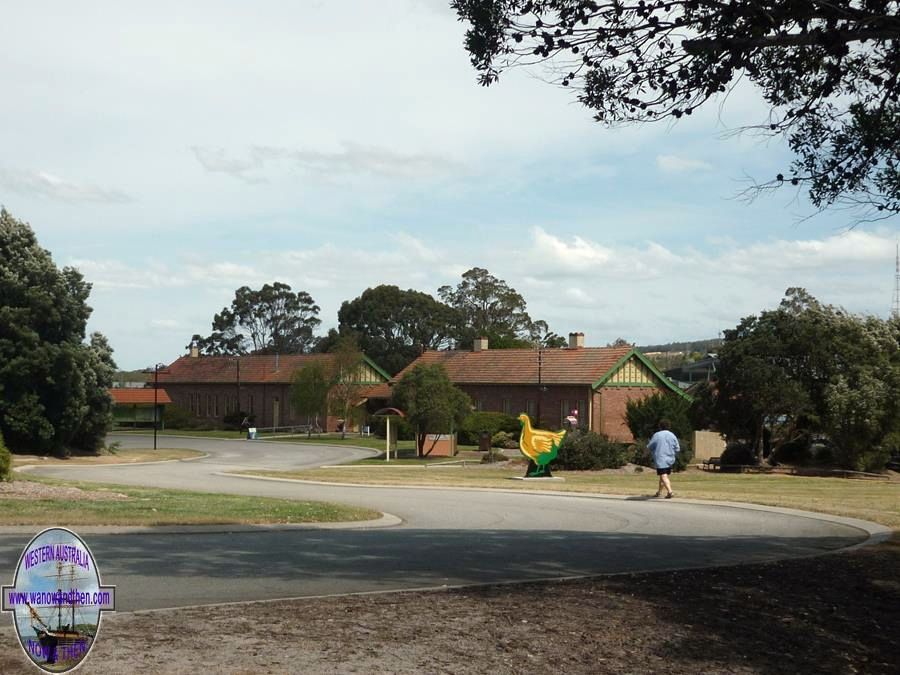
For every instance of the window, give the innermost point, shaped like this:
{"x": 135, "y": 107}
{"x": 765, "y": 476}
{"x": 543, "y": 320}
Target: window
{"x": 564, "y": 411}
{"x": 531, "y": 408}
{"x": 582, "y": 414}
{"x": 208, "y": 404}
{"x": 507, "y": 406}
{"x": 216, "y": 406}
{"x": 251, "y": 404}
{"x": 479, "y": 405}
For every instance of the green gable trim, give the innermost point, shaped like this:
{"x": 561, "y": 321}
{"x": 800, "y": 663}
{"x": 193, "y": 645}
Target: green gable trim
{"x": 378, "y": 369}
{"x": 649, "y": 364}
{"x": 649, "y": 385}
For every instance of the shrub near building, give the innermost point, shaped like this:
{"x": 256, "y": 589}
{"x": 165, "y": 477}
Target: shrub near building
{"x": 643, "y": 419}
{"x": 492, "y": 422}
{"x": 5, "y": 462}
{"x": 586, "y": 450}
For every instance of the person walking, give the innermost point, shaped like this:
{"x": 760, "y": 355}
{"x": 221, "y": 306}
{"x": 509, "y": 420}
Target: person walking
{"x": 663, "y": 448}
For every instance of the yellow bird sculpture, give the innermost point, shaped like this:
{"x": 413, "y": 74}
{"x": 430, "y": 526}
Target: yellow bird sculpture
{"x": 540, "y": 447}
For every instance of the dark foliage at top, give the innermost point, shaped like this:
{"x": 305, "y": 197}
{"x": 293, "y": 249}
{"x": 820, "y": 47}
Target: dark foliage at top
{"x": 828, "y": 70}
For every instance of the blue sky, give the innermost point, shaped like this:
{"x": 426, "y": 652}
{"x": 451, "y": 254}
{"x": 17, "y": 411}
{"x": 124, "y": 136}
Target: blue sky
{"x": 174, "y": 153}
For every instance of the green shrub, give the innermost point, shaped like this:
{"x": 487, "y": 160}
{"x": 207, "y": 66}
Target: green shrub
{"x": 872, "y": 460}
{"x": 405, "y": 432}
{"x": 176, "y": 417}
{"x": 586, "y": 450}
{"x": 738, "y": 453}
{"x": 5, "y": 462}
{"x": 796, "y": 451}
{"x": 491, "y": 422}
{"x": 643, "y": 416}
{"x": 504, "y": 439}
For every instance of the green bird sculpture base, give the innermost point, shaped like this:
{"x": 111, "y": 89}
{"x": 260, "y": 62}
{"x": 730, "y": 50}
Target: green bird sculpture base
{"x": 537, "y": 470}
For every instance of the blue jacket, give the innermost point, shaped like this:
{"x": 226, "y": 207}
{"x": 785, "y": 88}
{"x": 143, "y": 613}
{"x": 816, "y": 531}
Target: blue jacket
{"x": 663, "y": 447}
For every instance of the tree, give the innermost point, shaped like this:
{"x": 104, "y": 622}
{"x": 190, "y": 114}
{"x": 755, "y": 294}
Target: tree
{"x": 309, "y": 392}
{"x": 806, "y": 369}
{"x": 643, "y": 417}
{"x": 487, "y": 307}
{"x": 54, "y": 386}
{"x": 345, "y": 389}
{"x": 829, "y": 71}
{"x": 271, "y": 320}
{"x": 392, "y": 325}
{"x": 431, "y": 402}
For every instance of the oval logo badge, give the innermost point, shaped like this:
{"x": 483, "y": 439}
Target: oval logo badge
{"x": 57, "y": 600}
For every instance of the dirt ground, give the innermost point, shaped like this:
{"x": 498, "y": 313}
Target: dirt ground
{"x": 832, "y": 614}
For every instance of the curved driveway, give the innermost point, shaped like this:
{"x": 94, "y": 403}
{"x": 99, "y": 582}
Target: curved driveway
{"x": 447, "y": 536}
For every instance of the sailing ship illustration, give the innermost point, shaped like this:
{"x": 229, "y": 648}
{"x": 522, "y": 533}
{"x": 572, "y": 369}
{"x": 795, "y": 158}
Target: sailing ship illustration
{"x": 71, "y": 637}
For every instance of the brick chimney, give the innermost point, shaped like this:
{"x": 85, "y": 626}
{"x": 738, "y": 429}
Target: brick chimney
{"x": 576, "y": 340}
{"x": 195, "y": 350}
{"x": 480, "y": 344}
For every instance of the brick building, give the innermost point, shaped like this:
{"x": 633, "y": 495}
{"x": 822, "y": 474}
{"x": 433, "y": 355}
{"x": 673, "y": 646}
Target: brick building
{"x": 210, "y": 387}
{"x": 549, "y": 384}
{"x": 135, "y": 407}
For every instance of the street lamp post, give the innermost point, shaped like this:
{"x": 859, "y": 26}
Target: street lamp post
{"x": 155, "y": 371}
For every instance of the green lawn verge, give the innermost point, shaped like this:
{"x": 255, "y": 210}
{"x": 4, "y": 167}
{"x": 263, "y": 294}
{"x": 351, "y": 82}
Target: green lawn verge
{"x": 153, "y": 506}
{"x": 878, "y": 501}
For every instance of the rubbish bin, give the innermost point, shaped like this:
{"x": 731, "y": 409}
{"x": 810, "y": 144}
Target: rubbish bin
{"x": 251, "y": 434}
{"x": 484, "y": 441}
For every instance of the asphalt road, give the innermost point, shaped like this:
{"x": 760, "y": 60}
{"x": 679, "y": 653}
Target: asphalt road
{"x": 446, "y": 536}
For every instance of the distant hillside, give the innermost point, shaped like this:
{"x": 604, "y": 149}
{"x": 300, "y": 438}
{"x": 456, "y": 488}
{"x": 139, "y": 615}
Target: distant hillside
{"x": 126, "y": 376}
{"x": 701, "y": 346}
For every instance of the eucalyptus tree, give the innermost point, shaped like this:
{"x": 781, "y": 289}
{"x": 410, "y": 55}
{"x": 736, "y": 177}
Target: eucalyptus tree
{"x": 270, "y": 320}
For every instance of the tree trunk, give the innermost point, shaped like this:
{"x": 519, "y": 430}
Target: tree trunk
{"x": 758, "y": 450}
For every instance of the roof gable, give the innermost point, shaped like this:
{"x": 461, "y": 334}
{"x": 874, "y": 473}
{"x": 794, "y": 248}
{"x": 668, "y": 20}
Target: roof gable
{"x": 635, "y": 369}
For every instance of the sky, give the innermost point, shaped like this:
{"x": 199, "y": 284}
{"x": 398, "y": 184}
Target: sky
{"x": 174, "y": 152}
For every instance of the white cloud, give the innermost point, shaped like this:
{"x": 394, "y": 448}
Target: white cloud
{"x": 674, "y": 164}
{"x": 352, "y": 159}
{"x": 44, "y": 184}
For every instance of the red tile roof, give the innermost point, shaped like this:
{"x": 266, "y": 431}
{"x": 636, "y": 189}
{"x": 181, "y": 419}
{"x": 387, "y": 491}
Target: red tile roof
{"x": 254, "y": 369}
{"x": 133, "y": 395}
{"x": 382, "y": 390}
{"x": 585, "y": 365}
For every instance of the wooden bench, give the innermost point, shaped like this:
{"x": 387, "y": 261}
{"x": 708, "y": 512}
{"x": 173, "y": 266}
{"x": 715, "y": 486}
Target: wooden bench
{"x": 712, "y": 463}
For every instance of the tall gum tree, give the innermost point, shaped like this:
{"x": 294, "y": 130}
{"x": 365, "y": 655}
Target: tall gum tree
{"x": 270, "y": 320}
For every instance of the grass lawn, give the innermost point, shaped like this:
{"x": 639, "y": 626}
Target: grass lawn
{"x": 152, "y": 506}
{"x": 878, "y": 501}
{"x": 121, "y": 456}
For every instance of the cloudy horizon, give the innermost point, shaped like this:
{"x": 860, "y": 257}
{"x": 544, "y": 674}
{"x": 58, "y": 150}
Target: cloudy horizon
{"x": 175, "y": 153}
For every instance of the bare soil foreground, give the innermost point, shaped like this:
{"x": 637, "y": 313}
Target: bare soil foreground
{"x": 832, "y": 614}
